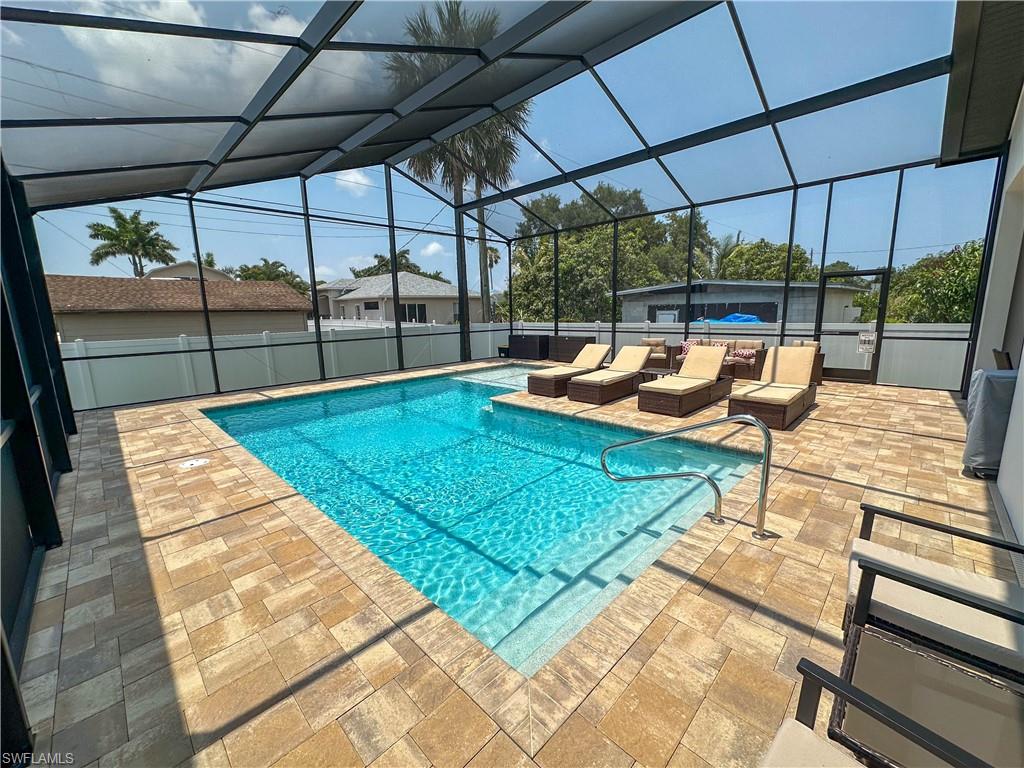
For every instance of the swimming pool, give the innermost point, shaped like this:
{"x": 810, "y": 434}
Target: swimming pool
{"x": 501, "y": 516}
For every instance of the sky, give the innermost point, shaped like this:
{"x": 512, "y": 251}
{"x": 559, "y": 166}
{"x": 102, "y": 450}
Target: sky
{"x": 689, "y": 78}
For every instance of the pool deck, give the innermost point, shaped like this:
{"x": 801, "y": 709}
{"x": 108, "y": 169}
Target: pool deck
{"x": 212, "y": 616}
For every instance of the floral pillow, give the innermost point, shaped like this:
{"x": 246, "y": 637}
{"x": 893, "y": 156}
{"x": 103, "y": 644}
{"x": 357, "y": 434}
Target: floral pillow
{"x": 685, "y": 346}
{"x": 745, "y": 354}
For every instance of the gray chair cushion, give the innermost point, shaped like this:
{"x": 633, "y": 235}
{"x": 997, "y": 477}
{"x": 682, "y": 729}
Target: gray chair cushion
{"x": 797, "y": 746}
{"x": 957, "y": 626}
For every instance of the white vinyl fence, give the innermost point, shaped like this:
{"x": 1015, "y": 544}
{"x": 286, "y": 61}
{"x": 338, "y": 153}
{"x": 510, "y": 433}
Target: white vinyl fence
{"x": 911, "y": 354}
{"x": 255, "y": 360}
{"x": 909, "y": 357}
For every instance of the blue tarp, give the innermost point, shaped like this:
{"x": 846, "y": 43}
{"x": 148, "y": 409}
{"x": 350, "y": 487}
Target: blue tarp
{"x": 736, "y": 317}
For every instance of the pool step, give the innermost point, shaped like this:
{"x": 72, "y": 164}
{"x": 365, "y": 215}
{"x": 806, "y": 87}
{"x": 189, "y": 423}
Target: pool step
{"x": 562, "y": 587}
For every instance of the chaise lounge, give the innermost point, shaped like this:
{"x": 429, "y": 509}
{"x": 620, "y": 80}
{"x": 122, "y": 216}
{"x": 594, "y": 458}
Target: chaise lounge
{"x": 552, "y": 382}
{"x": 784, "y": 391}
{"x": 819, "y": 358}
{"x": 619, "y": 379}
{"x": 698, "y": 383}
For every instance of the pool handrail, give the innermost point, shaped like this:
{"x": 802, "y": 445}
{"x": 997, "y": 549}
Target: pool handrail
{"x": 746, "y": 419}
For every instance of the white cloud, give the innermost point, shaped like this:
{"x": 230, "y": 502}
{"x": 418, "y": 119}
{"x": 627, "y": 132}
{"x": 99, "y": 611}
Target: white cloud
{"x": 277, "y": 23}
{"x": 166, "y": 73}
{"x": 324, "y": 272}
{"x": 354, "y": 181}
{"x": 432, "y": 249}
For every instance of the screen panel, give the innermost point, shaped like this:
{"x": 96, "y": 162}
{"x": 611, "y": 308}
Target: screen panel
{"x": 802, "y": 49}
{"x": 893, "y": 128}
{"x": 664, "y": 83}
{"x": 52, "y": 71}
{"x": 39, "y": 150}
{"x": 713, "y": 171}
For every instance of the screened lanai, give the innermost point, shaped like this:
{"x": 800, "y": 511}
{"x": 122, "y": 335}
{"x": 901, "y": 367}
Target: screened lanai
{"x": 614, "y": 170}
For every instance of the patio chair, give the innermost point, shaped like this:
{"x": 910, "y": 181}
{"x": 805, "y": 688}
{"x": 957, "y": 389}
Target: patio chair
{"x": 659, "y": 351}
{"x": 784, "y": 390}
{"x": 969, "y": 617}
{"x": 619, "y": 379}
{"x": 552, "y": 382}
{"x": 796, "y": 745}
{"x": 698, "y": 383}
{"x": 817, "y": 373}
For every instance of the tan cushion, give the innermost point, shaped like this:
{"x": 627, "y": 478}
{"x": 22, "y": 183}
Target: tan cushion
{"x": 797, "y": 746}
{"x": 604, "y": 376}
{"x": 748, "y": 344}
{"x": 675, "y": 385}
{"x": 591, "y": 356}
{"x": 788, "y": 365}
{"x": 703, "y": 363}
{"x": 558, "y": 372}
{"x": 815, "y": 345}
{"x": 653, "y": 342}
{"x": 776, "y": 394}
{"x": 630, "y": 359}
{"x": 958, "y": 626}
{"x": 658, "y": 356}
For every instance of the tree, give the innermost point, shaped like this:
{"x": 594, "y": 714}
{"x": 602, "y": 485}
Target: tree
{"x": 765, "y": 260}
{"x": 709, "y": 264}
{"x": 484, "y": 154}
{"x": 382, "y": 266}
{"x": 274, "y": 271}
{"x": 132, "y": 237}
{"x": 938, "y": 288}
{"x": 209, "y": 260}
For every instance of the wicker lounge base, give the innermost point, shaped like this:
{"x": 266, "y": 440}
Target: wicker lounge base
{"x": 775, "y": 415}
{"x": 599, "y": 394}
{"x": 669, "y": 404}
{"x": 547, "y": 387}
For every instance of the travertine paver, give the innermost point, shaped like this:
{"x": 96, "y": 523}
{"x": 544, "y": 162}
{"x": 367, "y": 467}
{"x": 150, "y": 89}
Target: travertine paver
{"x": 213, "y": 616}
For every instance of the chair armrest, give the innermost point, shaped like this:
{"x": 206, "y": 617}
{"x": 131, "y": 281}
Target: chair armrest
{"x": 815, "y": 678}
{"x": 870, "y": 569}
{"x": 870, "y": 510}
{"x": 760, "y": 355}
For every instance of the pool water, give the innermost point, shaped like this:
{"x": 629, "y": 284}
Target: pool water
{"x": 501, "y": 516}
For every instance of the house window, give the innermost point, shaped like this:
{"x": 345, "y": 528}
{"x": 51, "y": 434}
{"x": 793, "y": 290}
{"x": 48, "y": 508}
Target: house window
{"x": 413, "y": 313}
{"x": 368, "y": 305}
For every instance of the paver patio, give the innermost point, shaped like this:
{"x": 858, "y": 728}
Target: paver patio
{"x": 213, "y": 616}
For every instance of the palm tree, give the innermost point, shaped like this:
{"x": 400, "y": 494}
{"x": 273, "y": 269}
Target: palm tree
{"x": 132, "y": 237}
{"x": 485, "y": 153}
{"x": 721, "y": 248}
{"x": 382, "y": 266}
{"x": 275, "y": 271}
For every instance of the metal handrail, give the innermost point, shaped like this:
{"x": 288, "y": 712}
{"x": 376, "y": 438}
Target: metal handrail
{"x": 766, "y": 461}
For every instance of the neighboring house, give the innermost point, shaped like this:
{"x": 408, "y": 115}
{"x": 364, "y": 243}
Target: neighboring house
{"x": 714, "y": 299}
{"x": 187, "y": 270}
{"x": 105, "y": 308}
{"x": 423, "y": 299}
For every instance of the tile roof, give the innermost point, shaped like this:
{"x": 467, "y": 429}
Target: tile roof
{"x": 81, "y": 293}
{"x": 410, "y": 285}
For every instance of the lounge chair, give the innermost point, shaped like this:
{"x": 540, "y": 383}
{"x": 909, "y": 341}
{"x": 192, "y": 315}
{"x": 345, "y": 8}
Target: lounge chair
{"x": 817, "y": 373}
{"x": 698, "y": 383}
{"x": 973, "y": 618}
{"x": 659, "y": 352}
{"x": 796, "y": 745}
{"x": 552, "y": 382}
{"x": 783, "y": 392}
{"x": 619, "y": 379}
